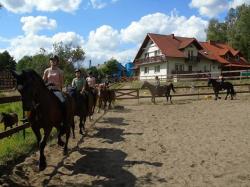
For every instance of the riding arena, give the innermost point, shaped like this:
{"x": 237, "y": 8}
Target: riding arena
{"x": 195, "y": 138}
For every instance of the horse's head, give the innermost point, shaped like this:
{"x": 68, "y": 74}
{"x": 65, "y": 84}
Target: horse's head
{"x": 27, "y": 85}
{"x": 144, "y": 85}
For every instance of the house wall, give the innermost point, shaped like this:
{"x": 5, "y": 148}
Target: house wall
{"x": 151, "y": 74}
{"x": 191, "y": 48}
{"x": 166, "y": 68}
{"x": 150, "y": 49}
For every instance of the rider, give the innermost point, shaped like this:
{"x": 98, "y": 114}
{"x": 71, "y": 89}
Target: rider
{"x": 79, "y": 82}
{"x": 157, "y": 81}
{"x": 221, "y": 80}
{"x": 92, "y": 85}
{"x": 91, "y": 80}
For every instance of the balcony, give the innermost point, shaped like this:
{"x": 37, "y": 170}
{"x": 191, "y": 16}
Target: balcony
{"x": 192, "y": 59}
{"x": 150, "y": 60}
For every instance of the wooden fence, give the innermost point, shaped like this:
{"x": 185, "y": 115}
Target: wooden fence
{"x": 135, "y": 93}
{"x": 20, "y": 127}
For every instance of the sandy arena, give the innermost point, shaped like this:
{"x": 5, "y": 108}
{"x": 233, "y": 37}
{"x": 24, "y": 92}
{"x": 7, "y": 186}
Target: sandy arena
{"x": 189, "y": 143}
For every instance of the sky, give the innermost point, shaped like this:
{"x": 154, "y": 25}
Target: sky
{"x": 103, "y": 28}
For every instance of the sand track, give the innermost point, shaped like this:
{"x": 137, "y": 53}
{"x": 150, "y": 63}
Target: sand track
{"x": 189, "y": 143}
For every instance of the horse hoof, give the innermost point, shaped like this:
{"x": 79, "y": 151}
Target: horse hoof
{"x": 42, "y": 166}
{"x": 81, "y": 132}
{"x": 65, "y": 152}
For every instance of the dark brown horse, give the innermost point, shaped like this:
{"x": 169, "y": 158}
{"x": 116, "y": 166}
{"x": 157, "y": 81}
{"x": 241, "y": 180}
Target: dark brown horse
{"x": 219, "y": 86}
{"x": 46, "y": 110}
{"x": 162, "y": 90}
{"x": 105, "y": 95}
{"x": 84, "y": 104}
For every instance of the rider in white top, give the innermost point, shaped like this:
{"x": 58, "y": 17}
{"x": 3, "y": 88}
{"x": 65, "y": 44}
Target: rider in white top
{"x": 91, "y": 80}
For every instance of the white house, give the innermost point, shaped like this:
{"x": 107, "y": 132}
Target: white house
{"x": 167, "y": 55}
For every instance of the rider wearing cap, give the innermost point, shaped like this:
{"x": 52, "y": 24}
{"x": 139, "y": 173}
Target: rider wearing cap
{"x": 79, "y": 82}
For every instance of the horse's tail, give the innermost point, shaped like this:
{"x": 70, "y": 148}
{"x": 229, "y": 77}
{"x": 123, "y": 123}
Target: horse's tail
{"x": 172, "y": 87}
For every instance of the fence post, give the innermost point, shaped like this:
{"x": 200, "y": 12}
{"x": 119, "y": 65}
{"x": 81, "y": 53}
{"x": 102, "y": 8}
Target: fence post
{"x": 23, "y": 124}
{"x": 198, "y": 90}
{"x": 138, "y": 95}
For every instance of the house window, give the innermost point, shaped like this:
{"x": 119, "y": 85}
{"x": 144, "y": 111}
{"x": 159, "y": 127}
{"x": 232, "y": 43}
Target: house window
{"x": 237, "y": 58}
{"x": 157, "y": 52}
{"x": 205, "y": 68}
{"x": 157, "y": 69}
{"x": 179, "y": 67}
{"x": 146, "y": 70}
{"x": 190, "y": 68}
{"x": 146, "y": 55}
{"x": 190, "y": 54}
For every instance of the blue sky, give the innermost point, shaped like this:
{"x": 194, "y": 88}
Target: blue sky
{"x": 104, "y": 28}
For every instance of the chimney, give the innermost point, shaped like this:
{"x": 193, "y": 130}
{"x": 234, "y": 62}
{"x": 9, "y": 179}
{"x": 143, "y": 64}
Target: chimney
{"x": 90, "y": 64}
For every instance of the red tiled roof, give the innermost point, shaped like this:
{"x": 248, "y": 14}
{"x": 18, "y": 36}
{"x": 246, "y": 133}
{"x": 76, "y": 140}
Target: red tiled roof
{"x": 172, "y": 46}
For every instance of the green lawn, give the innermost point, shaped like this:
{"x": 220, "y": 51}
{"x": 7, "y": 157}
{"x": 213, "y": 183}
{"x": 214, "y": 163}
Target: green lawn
{"x": 15, "y": 146}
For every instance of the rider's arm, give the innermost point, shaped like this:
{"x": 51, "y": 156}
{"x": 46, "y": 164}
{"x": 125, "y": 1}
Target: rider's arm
{"x": 45, "y": 75}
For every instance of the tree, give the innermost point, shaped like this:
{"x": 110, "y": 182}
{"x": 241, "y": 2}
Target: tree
{"x": 235, "y": 30}
{"x": 69, "y": 57}
{"x": 7, "y": 61}
{"x": 111, "y": 67}
{"x": 216, "y": 31}
{"x": 239, "y": 29}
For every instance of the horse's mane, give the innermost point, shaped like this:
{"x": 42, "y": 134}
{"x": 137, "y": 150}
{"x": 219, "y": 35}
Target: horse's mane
{"x": 34, "y": 75}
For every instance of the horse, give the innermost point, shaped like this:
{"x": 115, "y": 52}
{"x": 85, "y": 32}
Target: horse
{"x": 44, "y": 110}
{"x": 162, "y": 90}
{"x": 222, "y": 86}
{"x": 105, "y": 95}
{"x": 84, "y": 104}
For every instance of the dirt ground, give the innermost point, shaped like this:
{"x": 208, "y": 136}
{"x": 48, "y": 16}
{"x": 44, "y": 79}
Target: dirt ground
{"x": 189, "y": 143}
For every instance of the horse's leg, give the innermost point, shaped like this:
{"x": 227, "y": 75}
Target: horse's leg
{"x": 59, "y": 135}
{"x": 37, "y": 133}
{"x": 99, "y": 105}
{"x": 166, "y": 95}
{"x": 42, "y": 160}
{"x": 81, "y": 124}
{"x": 65, "y": 150}
{"x": 73, "y": 127}
{"x": 227, "y": 94}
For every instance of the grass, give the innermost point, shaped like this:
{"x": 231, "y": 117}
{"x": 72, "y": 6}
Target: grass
{"x": 13, "y": 147}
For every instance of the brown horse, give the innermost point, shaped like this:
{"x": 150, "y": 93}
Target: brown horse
{"x": 105, "y": 95}
{"x": 46, "y": 110}
{"x": 84, "y": 104}
{"x": 162, "y": 90}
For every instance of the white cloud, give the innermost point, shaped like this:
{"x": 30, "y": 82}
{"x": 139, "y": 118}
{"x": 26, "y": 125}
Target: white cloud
{"x": 165, "y": 24}
{"x": 210, "y": 8}
{"x": 104, "y": 38}
{"x": 98, "y": 4}
{"x": 24, "y": 6}
{"x": 31, "y": 43}
{"x": 235, "y": 3}
{"x": 32, "y": 25}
